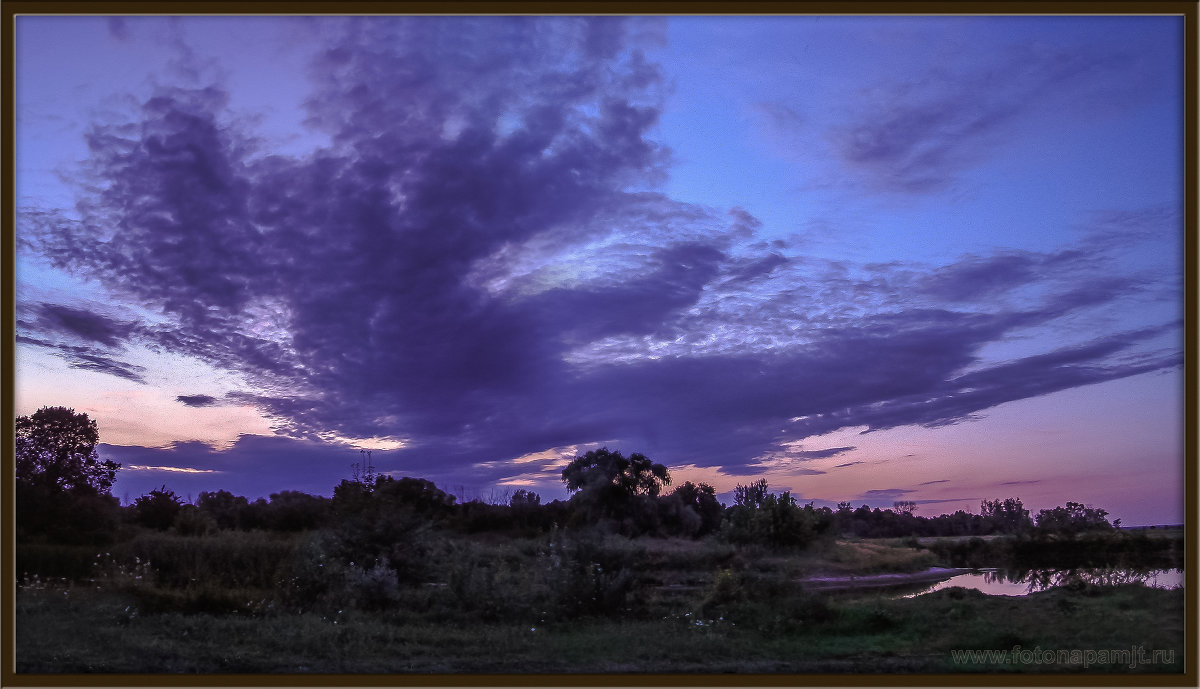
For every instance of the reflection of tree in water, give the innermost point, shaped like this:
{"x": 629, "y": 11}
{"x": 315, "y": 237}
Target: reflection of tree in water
{"x": 1043, "y": 579}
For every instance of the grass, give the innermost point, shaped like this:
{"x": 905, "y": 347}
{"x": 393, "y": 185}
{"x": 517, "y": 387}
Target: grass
{"x": 873, "y": 556}
{"x": 563, "y": 603}
{"x": 791, "y": 632}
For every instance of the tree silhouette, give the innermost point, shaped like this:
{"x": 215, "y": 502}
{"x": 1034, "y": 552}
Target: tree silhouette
{"x": 56, "y": 451}
{"x": 1008, "y": 515}
{"x": 1072, "y": 519}
{"x": 752, "y": 496}
{"x": 157, "y": 509}
{"x": 62, "y": 487}
{"x": 603, "y": 468}
{"x": 606, "y": 483}
{"x": 702, "y": 499}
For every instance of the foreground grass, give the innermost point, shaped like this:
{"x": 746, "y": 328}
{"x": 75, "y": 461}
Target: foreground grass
{"x": 77, "y": 629}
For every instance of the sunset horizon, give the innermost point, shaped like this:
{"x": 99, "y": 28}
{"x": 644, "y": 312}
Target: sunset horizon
{"x": 869, "y": 260}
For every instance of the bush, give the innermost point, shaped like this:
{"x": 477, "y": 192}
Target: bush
{"x": 68, "y": 518}
{"x": 231, "y": 560}
{"x": 56, "y": 561}
{"x": 771, "y": 604}
{"x": 311, "y": 576}
{"x": 291, "y": 510}
{"x": 773, "y": 520}
{"x": 398, "y": 537}
{"x": 190, "y": 521}
{"x": 157, "y": 509}
{"x": 1072, "y": 519}
{"x": 374, "y": 588}
{"x": 229, "y": 511}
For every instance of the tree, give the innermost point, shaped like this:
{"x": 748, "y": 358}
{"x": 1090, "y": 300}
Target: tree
{"x": 1008, "y": 515}
{"x": 751, "y": 496}
{"x": 226, "y": 509}
{"x": 635, "y": 475}
{"x": 293, "y": 510}
{"x": 62, "y": 486}
{"x": 1072, "y": 519}
{"x": 524, "y": 499}
{"x": 904, "y": 507}
{"x": 774, "y": 520}
{"x": 607, "y": 484}
{"x": 56, "y": 452}
{"x": 157, "y": 509}
{"x": 703, "y": 500}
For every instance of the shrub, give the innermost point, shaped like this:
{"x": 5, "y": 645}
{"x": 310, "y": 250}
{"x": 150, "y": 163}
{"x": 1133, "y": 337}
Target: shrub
{"x": 1072, "y": 519}
{"x": 291, "y": 510}
{"x": 311, "y": 576}
{"x": 225, "y": 508}
{"x": 56, "y": 561}
{"x": 157, "y": 509}
{"x": 373, "y": 588}
{"x": 231, "y": 560}
{"x": 190, "y": 521}
{"x": 773, "y": 520}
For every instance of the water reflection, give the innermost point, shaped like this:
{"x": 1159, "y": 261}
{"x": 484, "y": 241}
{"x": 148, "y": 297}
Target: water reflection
{"x": 1001, "y": 582}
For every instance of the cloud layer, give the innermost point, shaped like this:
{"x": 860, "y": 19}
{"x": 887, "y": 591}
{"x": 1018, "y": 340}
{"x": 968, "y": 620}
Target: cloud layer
{"x": 479, "y": 265}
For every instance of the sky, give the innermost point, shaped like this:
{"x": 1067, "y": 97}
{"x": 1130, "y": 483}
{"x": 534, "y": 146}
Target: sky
{"x": 868, "y": 259}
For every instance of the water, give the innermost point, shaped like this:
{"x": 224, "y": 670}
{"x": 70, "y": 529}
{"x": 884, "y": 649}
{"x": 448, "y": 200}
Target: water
{"x": 999, "y": 582}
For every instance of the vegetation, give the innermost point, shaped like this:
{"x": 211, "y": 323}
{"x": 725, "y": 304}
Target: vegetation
{"x": 395, "y": 575}
{"x": 62, "y": 487}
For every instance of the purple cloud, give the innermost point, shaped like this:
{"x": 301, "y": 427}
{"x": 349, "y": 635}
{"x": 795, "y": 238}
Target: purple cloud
{"x": 79, "y": 324}
{"x": 919, "y": 135}
{"x": 479, "y": 264}
{"x": 197, "y": 400}
{"x": 822, "y": 454}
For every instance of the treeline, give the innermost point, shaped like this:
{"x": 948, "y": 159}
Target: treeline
{"x": 63, "y": 495}
{"x": 690, "y": 511}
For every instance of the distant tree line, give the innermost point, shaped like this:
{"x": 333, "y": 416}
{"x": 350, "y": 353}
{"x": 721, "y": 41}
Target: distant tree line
{"x": 63, "y": 494}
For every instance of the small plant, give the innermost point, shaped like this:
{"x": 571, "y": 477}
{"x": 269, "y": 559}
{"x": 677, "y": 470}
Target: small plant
{"x": 726, "y": 591}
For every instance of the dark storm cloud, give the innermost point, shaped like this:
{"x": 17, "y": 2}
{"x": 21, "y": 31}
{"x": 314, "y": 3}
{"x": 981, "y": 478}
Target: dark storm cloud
{"x": 197, "y": 400}
{"x": 918, "y": 136}
{"x": 474, "y": 266}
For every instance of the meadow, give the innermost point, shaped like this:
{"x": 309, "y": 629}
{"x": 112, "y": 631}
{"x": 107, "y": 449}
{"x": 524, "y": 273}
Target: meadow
{"x": 564, "y": 602}
{"x": 397, "y": 576}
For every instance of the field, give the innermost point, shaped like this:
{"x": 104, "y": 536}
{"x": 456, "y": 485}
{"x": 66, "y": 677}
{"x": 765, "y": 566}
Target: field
{"x": 567, "y": 603}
